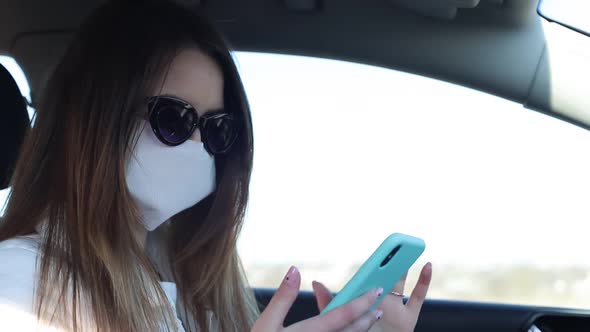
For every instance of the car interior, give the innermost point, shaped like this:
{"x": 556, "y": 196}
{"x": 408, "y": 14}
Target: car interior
{"x": 501, "y": 47}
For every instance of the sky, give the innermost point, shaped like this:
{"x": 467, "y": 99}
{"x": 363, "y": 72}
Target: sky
{"x": 346, "y": 154}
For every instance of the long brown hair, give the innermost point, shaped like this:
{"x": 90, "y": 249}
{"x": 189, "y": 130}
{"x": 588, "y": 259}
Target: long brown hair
{"x": 70, "y": 180}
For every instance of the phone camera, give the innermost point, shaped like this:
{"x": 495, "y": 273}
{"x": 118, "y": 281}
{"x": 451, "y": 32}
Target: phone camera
{"x": 390, "y": 256}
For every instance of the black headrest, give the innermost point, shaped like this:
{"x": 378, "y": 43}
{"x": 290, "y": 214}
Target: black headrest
{"x": 14, "y": 123}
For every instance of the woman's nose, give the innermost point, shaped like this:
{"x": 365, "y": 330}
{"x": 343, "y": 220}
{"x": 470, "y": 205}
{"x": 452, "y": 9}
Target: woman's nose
{"x": 196, "y": 136}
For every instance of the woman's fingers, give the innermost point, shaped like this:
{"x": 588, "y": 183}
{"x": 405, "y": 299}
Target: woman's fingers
{"x": 322, "y": 294}
{"x": 273, "y": 316}
{"x": 354, "y": 316}
{"x": 343, "y": 316}
{"x": 364, "y": 323}
{"x": 419, "y": 292}
{"x": 400, "y": 285}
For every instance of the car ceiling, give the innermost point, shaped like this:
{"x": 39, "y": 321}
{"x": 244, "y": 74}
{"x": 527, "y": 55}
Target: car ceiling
{"x": 498, "y": 46}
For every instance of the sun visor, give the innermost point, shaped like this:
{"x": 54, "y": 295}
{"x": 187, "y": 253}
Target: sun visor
{"x": 441, "y": 9}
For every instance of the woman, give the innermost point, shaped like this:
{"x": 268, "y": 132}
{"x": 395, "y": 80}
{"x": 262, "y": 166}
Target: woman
{"x": 130, "y": 192}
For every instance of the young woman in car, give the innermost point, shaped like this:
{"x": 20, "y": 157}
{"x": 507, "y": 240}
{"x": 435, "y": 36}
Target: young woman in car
{"x": 130, "y": 192}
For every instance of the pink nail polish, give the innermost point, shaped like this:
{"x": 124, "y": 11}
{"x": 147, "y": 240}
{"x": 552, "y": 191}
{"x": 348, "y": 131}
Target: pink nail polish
{"x": 291, "y": 276}
{"x": 379, "y": 292}
{"x": 378, "y": 314}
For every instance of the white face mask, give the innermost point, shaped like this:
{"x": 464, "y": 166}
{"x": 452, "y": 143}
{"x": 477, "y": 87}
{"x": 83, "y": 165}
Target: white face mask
{"x": 165, "y": 180}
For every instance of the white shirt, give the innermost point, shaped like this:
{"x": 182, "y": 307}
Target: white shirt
{"x": 18, "y": 277}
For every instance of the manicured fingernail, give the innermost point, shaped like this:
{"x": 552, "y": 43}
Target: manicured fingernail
{"x": 291, "y": 276}
{"x": 378, "y": 292}
{"x": 428, "y": 266}
{"x": 378, "y": 314}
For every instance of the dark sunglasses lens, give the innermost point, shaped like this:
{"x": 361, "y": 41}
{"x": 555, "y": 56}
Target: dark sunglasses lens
{"x": 220, "y": 134}
{"x": 175, "y": 123}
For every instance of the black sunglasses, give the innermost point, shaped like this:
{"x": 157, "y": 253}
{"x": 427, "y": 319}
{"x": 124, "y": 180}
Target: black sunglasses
{"x": 174, "y": 121}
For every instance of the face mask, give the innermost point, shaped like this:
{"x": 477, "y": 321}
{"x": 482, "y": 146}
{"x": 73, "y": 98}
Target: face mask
{"x": 165, "y": 180}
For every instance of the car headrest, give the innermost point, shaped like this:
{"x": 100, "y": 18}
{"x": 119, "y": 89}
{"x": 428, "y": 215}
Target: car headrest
{"x": 14, "y": 123}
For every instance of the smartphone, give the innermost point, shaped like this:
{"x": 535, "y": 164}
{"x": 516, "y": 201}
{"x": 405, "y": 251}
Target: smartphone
{"x": 386, "y": 266}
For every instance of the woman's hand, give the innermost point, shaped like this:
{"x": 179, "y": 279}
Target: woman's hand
{"x": 355, "y": 316}
{"x": 397, "y": 316}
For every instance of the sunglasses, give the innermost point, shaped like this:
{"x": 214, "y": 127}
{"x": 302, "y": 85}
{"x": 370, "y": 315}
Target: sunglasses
{"x": 174, "y": 121}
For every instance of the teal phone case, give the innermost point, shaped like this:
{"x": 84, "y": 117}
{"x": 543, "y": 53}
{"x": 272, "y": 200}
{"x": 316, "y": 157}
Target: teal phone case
{"x": 371, "y": 275}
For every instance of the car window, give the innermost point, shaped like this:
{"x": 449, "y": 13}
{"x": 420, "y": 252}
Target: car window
{"x": 19, "y": 76}
{"x": 3, "y": 197}
{"x": 347, "y": 153}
